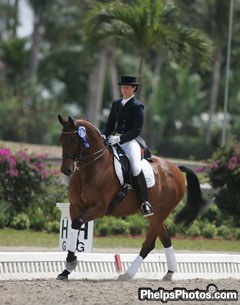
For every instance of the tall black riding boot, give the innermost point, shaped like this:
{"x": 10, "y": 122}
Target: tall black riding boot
{"x": 141, "y": 187}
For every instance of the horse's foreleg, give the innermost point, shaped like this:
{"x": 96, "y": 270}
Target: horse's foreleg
{"x": 169, "y": 253}
{"x": 72, "y": 240}
{"x": 86, "y": 216}
{"x": 71, "y": 260}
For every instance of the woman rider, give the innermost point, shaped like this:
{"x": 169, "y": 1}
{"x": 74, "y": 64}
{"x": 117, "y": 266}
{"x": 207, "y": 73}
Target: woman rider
{"x": 124, "y": 125}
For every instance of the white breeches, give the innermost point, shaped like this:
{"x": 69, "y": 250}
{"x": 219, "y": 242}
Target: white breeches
{"x": 133, "y": 151}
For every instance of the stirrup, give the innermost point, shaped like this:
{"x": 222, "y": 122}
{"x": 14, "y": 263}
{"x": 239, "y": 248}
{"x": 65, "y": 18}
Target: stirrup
{"x": 146, "y": 209}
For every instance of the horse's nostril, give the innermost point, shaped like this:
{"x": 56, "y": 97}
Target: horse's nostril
{"x": 66, "y": 171}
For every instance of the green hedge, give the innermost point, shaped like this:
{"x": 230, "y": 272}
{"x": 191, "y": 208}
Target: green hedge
{"x": 29, "y": 190}
{"x": 212, "y": 224}
{"x": 223, "y": 171}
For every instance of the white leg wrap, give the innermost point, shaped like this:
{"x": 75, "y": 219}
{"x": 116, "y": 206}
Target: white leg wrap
{"x": 70, "y": 271}
{"x": 134, "y": 266}
{"x": 171, "y": 259}
{"x": 72, "y": 240}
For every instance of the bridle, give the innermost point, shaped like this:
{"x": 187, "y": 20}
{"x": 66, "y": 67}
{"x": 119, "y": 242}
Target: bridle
{"x": 82, "y": 156}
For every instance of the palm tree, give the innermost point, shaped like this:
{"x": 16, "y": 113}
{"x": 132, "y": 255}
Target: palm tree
{"x": 211, "y": 16}
{"x": 216, "y": 20}
{"x": 40, "y": 10}
{"x": 148, "y": 25}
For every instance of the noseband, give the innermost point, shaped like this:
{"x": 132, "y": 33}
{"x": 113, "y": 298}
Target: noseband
{"x": 78, "y": 157}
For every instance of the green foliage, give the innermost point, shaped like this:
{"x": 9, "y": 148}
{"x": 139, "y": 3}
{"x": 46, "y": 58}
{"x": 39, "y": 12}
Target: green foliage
{"x": 224, "y": 231}
{"x": 137, "y": 224}
{"x": 172, "y": 37}
{"x": 14, "y": 55}
{"x": 149, "y": 26}
{"x": 212, "y": 224}
{"x": 21, "y": 122}
{"x": 20, "y": 222}
{"x": 29, "y": 187}
{"x": 183, "y": 146}
{"x": 236, "y": 233}
{"x": 53, "y": 226}
{"x": 194, "y": 230}
{"x": 209, "y": 230}
{"x": 4, "y": 213}
{"x": 3, "y": 220}
{"x": 224, "y": 175}
{"x": 215, "y": 216}
{"x": 111, "y": 226}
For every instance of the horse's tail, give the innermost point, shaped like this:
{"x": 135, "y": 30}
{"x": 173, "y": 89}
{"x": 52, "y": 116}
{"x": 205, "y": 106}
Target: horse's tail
{"x": 194, "y": 203}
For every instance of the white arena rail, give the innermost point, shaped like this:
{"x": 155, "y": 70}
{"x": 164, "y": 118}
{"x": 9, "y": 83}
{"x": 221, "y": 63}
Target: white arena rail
{"x": 46, "y": 265}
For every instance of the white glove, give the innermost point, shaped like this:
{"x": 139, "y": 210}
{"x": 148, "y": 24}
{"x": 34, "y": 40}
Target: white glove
{"x": 113, "y": 140}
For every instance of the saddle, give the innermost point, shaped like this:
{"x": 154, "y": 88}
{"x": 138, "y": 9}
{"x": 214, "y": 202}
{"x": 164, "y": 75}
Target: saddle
{"x": 122, "y": 170}
{"x": 146, "y": 153}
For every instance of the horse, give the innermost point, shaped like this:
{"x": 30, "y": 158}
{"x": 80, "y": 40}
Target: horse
{"x": 93, "y": 184}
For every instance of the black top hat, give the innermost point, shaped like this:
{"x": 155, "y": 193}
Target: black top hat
{"x": 128, "y": 80}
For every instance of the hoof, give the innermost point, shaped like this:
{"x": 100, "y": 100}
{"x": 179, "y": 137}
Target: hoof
{"x": 63, "y": 276}
{"x": 72, "y": 265}
{"x": 124, "y": 277}
{"x": 167, "y": 277}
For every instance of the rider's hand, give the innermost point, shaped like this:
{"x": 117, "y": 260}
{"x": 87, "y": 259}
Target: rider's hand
{"x": 113, "y": 140}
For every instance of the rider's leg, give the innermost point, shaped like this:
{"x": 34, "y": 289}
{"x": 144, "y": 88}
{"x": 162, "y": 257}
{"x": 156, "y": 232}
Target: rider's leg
{"x": 133, "y": 151}
{"x": 141, "y": 186}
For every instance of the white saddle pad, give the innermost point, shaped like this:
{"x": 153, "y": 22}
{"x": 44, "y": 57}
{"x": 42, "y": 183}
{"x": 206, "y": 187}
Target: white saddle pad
{"x": 146, "y": 167}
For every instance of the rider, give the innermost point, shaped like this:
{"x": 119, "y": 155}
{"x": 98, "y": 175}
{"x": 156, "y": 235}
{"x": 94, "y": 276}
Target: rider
{"x": 124, "y": 125}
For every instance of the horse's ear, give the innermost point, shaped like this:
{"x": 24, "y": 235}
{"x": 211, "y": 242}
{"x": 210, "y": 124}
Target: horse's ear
{"x": 71, "y": 121}
{"x": 61, "y": 120}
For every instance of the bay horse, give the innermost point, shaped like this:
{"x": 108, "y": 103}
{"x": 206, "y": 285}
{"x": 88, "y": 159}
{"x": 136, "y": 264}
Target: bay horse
{"x": 93, "y": 184}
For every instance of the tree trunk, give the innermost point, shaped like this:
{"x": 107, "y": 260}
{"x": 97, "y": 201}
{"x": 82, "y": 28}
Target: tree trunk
{"x": 214, "y": 92}
{"x": 140, "y": 68}
{"x": 37, "y": 36}
{"x": 95, "y": 88}
{"x": 16, "y": 12}
{"x": 113, "y": 73}
{"x": 151, "y": 130}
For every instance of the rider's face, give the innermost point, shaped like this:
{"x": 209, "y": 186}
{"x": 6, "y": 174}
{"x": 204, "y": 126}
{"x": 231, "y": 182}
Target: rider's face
{"x": 127, "y": 90}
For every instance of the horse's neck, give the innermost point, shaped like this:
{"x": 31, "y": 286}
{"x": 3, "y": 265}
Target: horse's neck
{"x": 100, "y": 166}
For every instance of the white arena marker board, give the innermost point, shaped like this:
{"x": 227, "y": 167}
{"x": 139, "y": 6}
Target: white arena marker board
{"x": 85, "y": 238}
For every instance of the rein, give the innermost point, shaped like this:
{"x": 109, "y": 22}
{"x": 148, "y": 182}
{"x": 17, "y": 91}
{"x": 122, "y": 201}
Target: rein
{"x": 81, "y": 157}
{"x": 102, "y": 151}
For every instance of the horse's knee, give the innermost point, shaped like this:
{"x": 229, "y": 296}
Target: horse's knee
{"x": 76, "y": 223}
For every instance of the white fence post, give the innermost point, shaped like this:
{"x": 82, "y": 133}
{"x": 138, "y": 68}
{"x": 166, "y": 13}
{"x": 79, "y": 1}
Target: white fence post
{"x": 85, "y": 237}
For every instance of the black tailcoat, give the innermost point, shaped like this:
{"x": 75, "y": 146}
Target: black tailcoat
{"x": 126, "y": 120}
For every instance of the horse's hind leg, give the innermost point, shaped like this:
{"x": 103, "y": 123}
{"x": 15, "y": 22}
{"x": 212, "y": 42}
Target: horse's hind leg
{"x": 147, "y": 246}
{"x": 169, "y": 252}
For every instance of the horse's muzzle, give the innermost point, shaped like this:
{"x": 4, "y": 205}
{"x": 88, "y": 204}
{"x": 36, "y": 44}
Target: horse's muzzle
{"x": 66, "y": 171}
